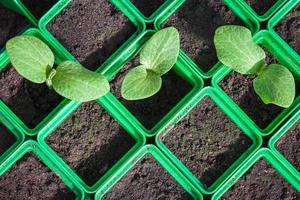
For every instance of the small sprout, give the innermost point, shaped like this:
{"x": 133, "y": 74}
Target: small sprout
{"x": 34, "y": 60}
{"x": 236, "y": 49}
{"x": 157, "y": 57}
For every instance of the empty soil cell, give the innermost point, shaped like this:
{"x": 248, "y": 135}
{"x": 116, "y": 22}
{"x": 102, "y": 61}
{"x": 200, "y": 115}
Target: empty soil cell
{"x": 151, "y": 110}
{"x": 90, "y": 142}
{"x": 289, "y": 28}
{"x": 147, "y": 7}
{"x": 261, "y": 6}
{"x": 91, "y": 30}
{"x": 207, "y": 142}
{"x": 30, "y": 179}
{"x": 39, "y": 7}
{"x": 11, "y": 23}
{"x": 7, "y": 139}
{"x": 197, "y": 21}
{"x": 147, "y": 180}
{"x": 289, "y": 145}
{"x": 31, "y": 102}
{"x": 261, "y": 182}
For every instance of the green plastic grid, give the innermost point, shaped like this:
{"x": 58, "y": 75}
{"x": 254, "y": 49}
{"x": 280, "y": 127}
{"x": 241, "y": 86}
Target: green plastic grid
{"x": 267, "y": 155}
{"x": 162, "y": 160}
{"x": 265, "y": 38}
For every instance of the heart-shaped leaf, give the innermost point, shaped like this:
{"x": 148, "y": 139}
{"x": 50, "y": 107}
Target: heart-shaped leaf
{"x": 140, "y": 83}
{"x": 237, "y": 50}
{"x": 78, "y": 83}
{"x": 31, "y": 57}
{"x": 161, "y": 51}
{"x": 276, "y": 85}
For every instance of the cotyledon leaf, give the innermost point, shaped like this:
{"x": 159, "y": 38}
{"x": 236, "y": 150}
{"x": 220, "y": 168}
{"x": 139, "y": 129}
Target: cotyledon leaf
{"x": 236, "y": 48}
{"x": 31, "y": 57}
{"x": 140, "y": 83}
{"x": 77, "y": 83}
{"x": 161, "y": 51}
{"x": 276, "y": 85}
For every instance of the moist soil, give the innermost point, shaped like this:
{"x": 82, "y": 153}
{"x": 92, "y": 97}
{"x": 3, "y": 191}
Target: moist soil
{"x": 207, "y": 142}
{"x": 90, "y": 142}
{"x": 151, "y": 110}
{"x": 11, "y": 24}
{"x": 289, "y": 28}
{"x": 289, "y": 145}
{"x": 31, "y": 102}
{"x": 91, "y": 30}
{"x": 197, "y": 21}
{"x": 261, "y": 182}
{"x": 39, "y": 7}
{"x": 30, "y": 179}
{"x": 147, "y": 7}
{"x": 147, "y": 180}
{"x": 261, "y": 6}
{"x": 7, "y": 139}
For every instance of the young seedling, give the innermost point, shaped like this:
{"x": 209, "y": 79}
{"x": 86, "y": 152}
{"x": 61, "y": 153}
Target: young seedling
{"x": 236, "y": 49}
{"x": 157, "y": 57}
{"x": 34, "y": 60}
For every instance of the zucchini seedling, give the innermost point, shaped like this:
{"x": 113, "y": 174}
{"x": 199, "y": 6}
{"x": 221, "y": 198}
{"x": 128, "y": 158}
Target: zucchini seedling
{"x": 34, "y": 60}
{"x": 157, "y": 57}
{"x": 236, "y": 49}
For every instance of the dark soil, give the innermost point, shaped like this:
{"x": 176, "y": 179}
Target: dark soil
{"x": 197, "y": 21}
{"x": 31, "y": 180}
{"x": 39, "y": 7}
{"x": 151, "y": 110}
{"x": 261, "y": 6}
{"x": 207, "y": 142}
{"x": 11, "y": 24}
{"x": 147, "y": 180}
{"x": 7, "y": 139}
{"x": 289, "y": 29}
{"x": 29, "y": 101}
{"x": 261, "y": 182}
{"x": 289, "y": 146}
{"x": 91, "y": 30}
{"x": 147, "y": 7}
{"x": 90, "y": 142}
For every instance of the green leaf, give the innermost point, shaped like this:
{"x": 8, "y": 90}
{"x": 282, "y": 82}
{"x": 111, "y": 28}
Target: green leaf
{"x": 78, "y": 83}
{"x": 276, "y": 85}
{"x": 161, "y": 51}
{"x": 236, "y": 48}
{"x": 31, "y": 57}
{"x": 140, "y": 83}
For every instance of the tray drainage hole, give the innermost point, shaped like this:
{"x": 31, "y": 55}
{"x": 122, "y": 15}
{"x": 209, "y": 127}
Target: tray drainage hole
{"x": 264, "y": 25}
{"x": 207, "y": 196}
{"x": 150, "y": 26}
{"x": 150, "y": 140}
{"x": 207, "y": 82}
{"x": 28, "y": 137}
{"x": 265, "y": 142}
{"x": 89, "y": 197}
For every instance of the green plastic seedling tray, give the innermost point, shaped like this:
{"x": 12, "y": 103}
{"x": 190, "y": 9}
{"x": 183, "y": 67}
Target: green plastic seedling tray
{"x": 229, "y": 110}
{"x": 266, "y": 39}
{"x": 162, "y": 160}
{"x": 272, "y": 159}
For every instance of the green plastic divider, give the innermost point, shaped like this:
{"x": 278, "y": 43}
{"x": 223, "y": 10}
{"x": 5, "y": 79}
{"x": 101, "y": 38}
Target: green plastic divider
{"x": 267, "y": 155}
{"x": 228, "y": 109}
{"x": 265, "y": 39}
{"x": 162, "y": 160}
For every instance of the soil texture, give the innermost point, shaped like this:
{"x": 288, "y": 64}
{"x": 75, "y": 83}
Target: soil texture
{"x": 147, "y": 7}
{"x": 39, "y": 7}
{"x": 289, "y": 145}
{"x": 7, "y": 139}
{"x": 31, "y": 102}
{"x": 151, "y": 110}
{"x": 207, "y": 142}
{"x": 147, "y": 180}
{"x": 90, "y": 142}
{"x": 31, "y": 180}
{"x": 261, "y": 182}
{"x": 289, "y": 28}
{"x": 11, "y": 23}
{"x": 197, "y": 21}
{"x": 261, "y": 6}
{"x": 91, "y": 30}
